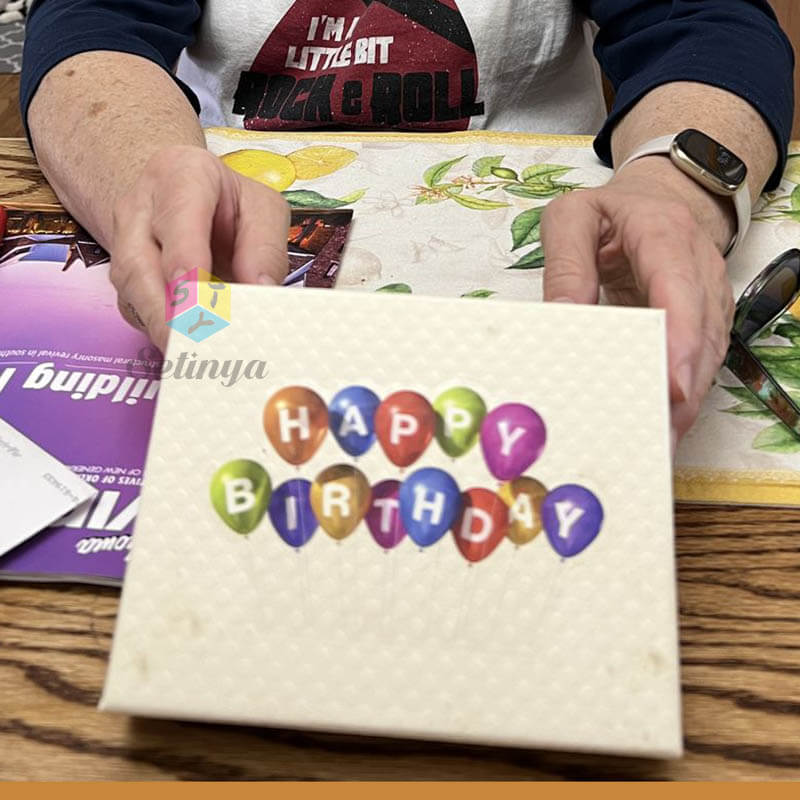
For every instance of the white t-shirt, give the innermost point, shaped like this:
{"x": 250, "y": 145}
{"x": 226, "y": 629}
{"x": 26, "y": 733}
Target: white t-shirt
{"x": 429, "y": 65}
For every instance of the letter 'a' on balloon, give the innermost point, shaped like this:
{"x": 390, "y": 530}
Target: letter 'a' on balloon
{"x": 340, "y": 497}
{"x": 524, "y": 498}
{"x": 572, "y": 517}
{"x": 291, "y": 513}
{"x": 240, "y": 494}
{"x": 481, "y": 525}
{"x": 352, "y": 419}
{"x": 296, "y": 421}
{"x": 512, "y": 438}
{"x": 459, "y": 414}
{"x": 405, "y": 423}
{"x": 429, "y": 503}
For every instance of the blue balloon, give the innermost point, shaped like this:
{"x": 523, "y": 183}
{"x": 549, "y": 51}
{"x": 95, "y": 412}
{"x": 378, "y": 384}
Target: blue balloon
{"x": 429, "y": 504}
{"x": 291, "y": 512}
{"x": 351, "y": 418}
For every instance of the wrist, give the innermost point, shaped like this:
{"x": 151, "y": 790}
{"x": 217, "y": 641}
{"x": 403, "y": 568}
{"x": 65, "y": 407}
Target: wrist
{"x": 658, "y": 176}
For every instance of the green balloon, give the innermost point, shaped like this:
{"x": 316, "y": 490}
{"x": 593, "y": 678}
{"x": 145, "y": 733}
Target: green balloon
{"x": 240, "y": 493}
{"x": 459, "y": 414}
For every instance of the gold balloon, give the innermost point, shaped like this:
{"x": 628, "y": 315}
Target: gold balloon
{"x": 296, "y": 421}
{"x": 340, "y": 497}
{"x": 524, "y": 497}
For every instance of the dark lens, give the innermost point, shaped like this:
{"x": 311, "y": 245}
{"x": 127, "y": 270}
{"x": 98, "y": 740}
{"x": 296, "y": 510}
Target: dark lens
{"x": 773, "y": 297}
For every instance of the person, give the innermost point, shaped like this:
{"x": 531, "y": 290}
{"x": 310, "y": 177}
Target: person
{"x": 117, "y": 134}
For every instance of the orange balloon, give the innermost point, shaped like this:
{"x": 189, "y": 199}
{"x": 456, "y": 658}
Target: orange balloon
{"x": 340, "y": 497}
{"x": 524, "y": 498}
{"x": 296, "y": 421}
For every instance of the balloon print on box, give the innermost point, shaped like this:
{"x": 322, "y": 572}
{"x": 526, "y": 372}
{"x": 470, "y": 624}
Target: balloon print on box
{"x": 422, "y": 506}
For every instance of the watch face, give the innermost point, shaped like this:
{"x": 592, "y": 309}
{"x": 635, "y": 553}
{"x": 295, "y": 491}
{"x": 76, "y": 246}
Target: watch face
{"x": 711, "y": 156}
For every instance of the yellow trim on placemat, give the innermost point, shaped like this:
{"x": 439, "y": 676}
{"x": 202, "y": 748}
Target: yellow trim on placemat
{"x": 776, "y": 488}
{"x": 535, "y": 139}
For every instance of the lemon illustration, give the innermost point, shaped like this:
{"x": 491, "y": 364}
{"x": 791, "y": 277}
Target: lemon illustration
{"x": 274, "y": 170}
{"x": 316, "y": 162}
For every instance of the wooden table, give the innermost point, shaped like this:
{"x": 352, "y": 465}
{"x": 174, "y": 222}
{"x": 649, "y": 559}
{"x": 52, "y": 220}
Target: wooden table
{"x": 739, "y": 572}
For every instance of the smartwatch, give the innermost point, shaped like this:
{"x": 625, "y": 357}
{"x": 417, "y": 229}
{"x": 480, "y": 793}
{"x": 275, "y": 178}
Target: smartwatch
{"x": 710, "y": 164}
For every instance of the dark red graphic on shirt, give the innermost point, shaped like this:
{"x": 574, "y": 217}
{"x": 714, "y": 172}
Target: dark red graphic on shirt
{"x": 406, "y": 64}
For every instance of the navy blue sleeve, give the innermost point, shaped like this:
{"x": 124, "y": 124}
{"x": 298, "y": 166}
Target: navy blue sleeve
{"x": 731, "y": 44}
{"x": 57, "y": 29}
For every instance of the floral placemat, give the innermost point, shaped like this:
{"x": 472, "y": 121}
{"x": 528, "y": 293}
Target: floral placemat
{"x": 459, "y": 215}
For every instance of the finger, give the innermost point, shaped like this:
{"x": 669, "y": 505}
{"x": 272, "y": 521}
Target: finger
{"x": 664, "y": 263}
{"x": 183, "y": 222}
{"x": 136, "y": 274}
{"x": 571, "y": 227}
{"x": 259, "y": 250}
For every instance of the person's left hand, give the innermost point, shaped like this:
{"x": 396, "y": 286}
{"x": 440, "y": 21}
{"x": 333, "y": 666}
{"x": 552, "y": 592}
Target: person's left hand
{"x": 650, "y": 237}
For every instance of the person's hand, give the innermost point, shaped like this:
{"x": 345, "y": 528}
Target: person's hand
{"x": 188, "y": 210}
{"x": 650, "y": 237}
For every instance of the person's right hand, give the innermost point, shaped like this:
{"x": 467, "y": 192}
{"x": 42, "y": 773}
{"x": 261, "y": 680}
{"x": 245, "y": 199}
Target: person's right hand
{"x": 188, "y": 210}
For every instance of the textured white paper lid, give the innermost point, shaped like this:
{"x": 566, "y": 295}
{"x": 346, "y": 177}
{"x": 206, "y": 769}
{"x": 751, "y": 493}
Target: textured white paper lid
{"x": 523, "y": 648}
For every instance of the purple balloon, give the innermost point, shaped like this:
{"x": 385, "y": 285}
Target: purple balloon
{"x": 512, "y": 438}
{"x": 383, "y": 518}
{"x": 291, "y": 512}
{"x": 572, "y": 517}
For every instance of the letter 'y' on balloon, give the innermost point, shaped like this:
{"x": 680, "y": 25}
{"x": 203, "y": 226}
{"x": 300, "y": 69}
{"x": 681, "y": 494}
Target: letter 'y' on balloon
{"x": 288, "y": 423}
{"x": 568, "y": 514}
{"x": 423, "y": 505}
{"x": 403, "y": 425}
{"x": 336, "y": 496}
{"x": 508, "y": 438}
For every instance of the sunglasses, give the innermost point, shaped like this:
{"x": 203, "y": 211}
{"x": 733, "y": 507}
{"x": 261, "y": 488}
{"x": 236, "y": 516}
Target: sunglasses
{"x": 762, "y": 303}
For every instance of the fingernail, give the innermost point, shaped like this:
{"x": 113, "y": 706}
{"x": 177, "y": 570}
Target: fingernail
{"x": 562, "y": 300}
{"x": 684, "y": 380}
{"x": 265, "y": 279}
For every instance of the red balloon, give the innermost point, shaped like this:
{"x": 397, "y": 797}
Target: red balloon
{"x": 481, "y": 525}
{"x": 405, "y": 423}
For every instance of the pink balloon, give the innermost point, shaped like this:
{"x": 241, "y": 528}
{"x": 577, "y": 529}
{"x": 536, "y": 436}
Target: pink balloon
{"x": 512, "y": 438}
{"x": 383, "y": 518}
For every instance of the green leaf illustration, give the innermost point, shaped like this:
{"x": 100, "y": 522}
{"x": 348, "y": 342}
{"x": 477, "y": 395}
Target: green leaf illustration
{"x": 429, "y": 199}
{"x": 533, "y": 191}
{"x": 532, "y": 260}
{"x": 792, "y": 171}
{"x": 483, "y": 166}
{"x": 477, "y": 203}
{"x": 795, "y": 198}
{"x": 526, "y": 228}
{"x": 305, "y": 198}
{"x": 777, "y": 439}
{"x": 504, "y": 173}
{"x": 544, "y": 172}
{"x": 434, "y": 175}
{"x": 748, "y": 410}
{"x": 395, "y": 288}
{"x": 353, "y": 197}
{"x": 772, "y": 353}
{"x": 786, "y": 373}
{"x": 482, "y": 293}
{"x": 790, "y": 331}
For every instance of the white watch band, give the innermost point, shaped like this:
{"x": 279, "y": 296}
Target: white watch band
{"x": 741, "y": 198}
